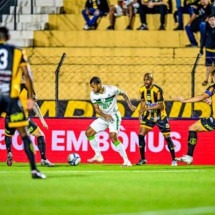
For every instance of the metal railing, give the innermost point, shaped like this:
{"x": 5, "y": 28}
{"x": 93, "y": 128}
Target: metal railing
{"x": 68, "y": 86}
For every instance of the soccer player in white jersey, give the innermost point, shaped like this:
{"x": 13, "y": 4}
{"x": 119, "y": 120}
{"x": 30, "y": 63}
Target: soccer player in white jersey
{"x": 104, "y": 101}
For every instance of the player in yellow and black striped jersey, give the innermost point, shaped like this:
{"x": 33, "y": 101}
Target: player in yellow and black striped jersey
{"x": 14, "y": 63}
{"x": 33, "y": 129}
{"x": 202, "y": 125}
{"x": 152, "y": 112}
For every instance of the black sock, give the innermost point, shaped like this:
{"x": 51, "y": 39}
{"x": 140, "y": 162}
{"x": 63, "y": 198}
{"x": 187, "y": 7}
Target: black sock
{"x": 29, "y": 150}
{"x": 42, "y": 146}
{"x": 192, "y": 140}
{"x": 142, "y": 144}
{"x": 8, "y": 142}
{"x": 171, "y": 147}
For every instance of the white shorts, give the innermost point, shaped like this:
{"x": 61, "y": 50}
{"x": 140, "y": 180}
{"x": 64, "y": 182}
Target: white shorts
{"x": 101, "y": 124}
{"x": 119, "y": 10}
{"x": 136, "y": 5}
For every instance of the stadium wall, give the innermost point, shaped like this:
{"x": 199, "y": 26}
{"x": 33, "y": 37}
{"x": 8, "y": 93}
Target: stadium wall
{"x": 65, "y": 136}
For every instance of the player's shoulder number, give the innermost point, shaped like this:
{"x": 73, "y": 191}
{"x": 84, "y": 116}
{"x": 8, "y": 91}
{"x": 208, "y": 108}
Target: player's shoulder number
{"x": 3, "y": 58}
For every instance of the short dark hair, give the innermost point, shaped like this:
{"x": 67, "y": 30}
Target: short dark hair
{"x": 4, "y": 33}
{"x": 211, "y": 15}
{"x": 148, "y": 76}
{"x": 95, "y": 80}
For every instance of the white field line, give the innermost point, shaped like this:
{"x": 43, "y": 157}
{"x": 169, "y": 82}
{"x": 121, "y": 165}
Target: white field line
{"x": 182, "y": 211}
{"x": 103, "y": 171}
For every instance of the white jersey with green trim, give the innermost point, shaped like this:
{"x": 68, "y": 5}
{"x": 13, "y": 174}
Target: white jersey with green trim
{"x": 106, "y": 101}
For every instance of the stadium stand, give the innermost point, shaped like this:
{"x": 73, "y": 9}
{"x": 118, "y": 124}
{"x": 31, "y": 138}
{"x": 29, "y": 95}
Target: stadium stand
{"x": 120, "y": 56}
{"x": 22, "y": 18}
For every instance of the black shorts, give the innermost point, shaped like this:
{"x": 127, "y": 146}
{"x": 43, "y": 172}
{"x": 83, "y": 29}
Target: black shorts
{"x": 163, "y": 124}
{"x": 32, "y": 127}
{"x": 13, "y": 108}
{"x": 208, "y": 123}
{"x": 209, "y": 58}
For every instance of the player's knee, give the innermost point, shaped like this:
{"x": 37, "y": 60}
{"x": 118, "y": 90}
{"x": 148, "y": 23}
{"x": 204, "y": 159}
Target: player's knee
{"x": 38, "y": 133}
{"x": 193, "y": 128}
{"x": 113, "y": 137}
{"x": 112, "y": 9}
{"x": 89, "y": 132}
{"x": 169, "y": 142}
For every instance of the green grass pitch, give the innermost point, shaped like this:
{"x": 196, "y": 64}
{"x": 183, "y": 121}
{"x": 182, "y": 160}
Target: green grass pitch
{"x": 99, "y": 189}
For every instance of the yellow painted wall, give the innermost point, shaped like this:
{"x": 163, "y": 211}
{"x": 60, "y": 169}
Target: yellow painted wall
{"x": 164, "y": 39}
{"x": 112, "y": 55}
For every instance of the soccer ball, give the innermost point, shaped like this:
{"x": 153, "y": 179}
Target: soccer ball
{"x": 74, "y": 159}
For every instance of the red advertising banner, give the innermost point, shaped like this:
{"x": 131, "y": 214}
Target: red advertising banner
{"x": 65, "y": 136}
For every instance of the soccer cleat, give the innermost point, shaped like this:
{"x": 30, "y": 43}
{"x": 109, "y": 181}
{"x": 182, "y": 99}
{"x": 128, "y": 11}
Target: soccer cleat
{"x": 143, "y": 27}
{"x": 141, "y": 162}
{"x": 9, "y": 159}
{"x": 191, "y": 45}
{"x": 205, "y": 83}
{"x": 186, "y": 159}
{"x": 174, "y": 163}
{"x": 129, "y": 28}
{"x": 127, "y": 163}
{"x": 86, "y": 27}
{"x": 96, "y": 158}
{"x": 110, "y": 27}
{"x": 95, "y": 26}
{"x": 37, "y": 175}
{"x": 46, "y": 163}
{"x": 178, "y": 28}
{"x": 162, "y": 28}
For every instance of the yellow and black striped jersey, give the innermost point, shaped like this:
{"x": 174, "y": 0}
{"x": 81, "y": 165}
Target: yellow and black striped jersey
{"x": 94, "y": 4}
{"x": 11, "y": 59}
{"x": 211, "y": 92}
{"x": 151, "y": 97}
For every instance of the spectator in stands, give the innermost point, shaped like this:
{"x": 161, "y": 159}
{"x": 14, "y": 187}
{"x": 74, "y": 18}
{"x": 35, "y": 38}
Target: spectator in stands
{"x": 187, "y": 8}
{"x": 197, "y": 22}
{"x": 124, "y": 7}
{"x": 208, "y": 41}
{"x": 96, "y": 9}
{"x": 153, "y": 6}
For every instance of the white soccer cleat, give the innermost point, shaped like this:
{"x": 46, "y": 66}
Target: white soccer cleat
{"x": 46, "y": 163}
{"x": 86, "y": 27}
{"x": 127, "y": 164}
{"x": 37, "y": 175}
{"x": 186, "y": 159}
{"x": 9, "y": 159}
{"x": 96, "y": 158}
{"x": 174, "y": 163}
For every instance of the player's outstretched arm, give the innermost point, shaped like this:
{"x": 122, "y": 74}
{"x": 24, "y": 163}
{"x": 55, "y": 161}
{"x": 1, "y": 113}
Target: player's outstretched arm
{"x": 36, "y": 109}
{"x": 208, "y": 101}
{"x": 130, "y": 105}
{"x": 29, "y": 85}
{"x": 198, "y": 98}
{"x": 142, "y": 109}
{"x": 98, "y": 111}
